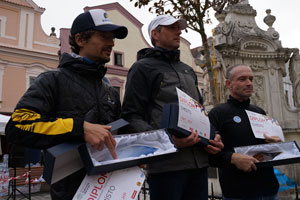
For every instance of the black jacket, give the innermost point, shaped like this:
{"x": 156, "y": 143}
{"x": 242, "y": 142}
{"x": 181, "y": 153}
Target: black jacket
{"x": 151, "y": 83}
{"x": 232, "y": 122}
{"x": 53, "y": 109}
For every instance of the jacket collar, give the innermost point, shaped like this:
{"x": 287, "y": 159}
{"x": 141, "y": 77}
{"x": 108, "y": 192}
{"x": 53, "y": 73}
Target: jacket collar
{"x": 159, "y": 53}
{"x": 82, "y": 66}
{"x": 234, "y": 101}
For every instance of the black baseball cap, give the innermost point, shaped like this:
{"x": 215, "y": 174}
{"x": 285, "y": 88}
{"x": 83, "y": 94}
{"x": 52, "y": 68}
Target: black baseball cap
{"x": 96, "y": 19}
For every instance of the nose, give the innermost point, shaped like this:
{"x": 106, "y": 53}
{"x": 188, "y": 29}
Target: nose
{"x": 111, "y": 42}
{"x": 249, "y": 82}
{"x": 178, "y": 31}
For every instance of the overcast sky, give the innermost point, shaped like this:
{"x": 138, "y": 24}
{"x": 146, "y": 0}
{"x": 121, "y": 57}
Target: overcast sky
{"x": 61, "y": 13}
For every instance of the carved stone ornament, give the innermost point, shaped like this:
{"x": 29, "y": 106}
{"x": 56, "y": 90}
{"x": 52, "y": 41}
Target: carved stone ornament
{"x": 275, "y": 35}
{"x": 220, "y": 16}
{"x": 257, "y": 67}
{"x": 53, "y": 32}
{"x": 294, "y": 71}
{"x": 244, "y": 9}
{"x": 257, "y": 97}
{"x": 255, "y": 46}
{"x": 223, "y": 28}
{"x": 269, "y": 19}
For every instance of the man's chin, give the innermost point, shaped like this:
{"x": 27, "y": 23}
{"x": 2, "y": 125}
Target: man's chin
{"x": 248, "y": 92}
{"x": 104, "y": 59}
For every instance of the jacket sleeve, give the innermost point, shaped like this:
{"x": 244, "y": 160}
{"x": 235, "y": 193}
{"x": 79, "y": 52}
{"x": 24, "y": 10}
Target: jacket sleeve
{"x": 223, "y": 158}
{"x": 33, "y": 122}
{"x": 136, "y": 100}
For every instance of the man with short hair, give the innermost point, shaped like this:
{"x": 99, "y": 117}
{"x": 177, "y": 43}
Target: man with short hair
{"x": 239, "y": 177}
{"x": 151, "y": 83}
{"x": 72, "y": 103}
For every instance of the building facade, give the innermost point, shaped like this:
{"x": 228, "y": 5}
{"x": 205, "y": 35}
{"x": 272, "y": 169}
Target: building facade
{"x": 25, "y": 49}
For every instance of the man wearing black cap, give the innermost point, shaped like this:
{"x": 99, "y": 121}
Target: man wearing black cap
{"x": 72, "y": 103}
{"x": 151, "y": 83}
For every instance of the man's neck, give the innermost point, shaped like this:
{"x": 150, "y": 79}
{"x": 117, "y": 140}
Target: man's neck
{"x": 162, "y": 48}
{"x": 84, "y": 59}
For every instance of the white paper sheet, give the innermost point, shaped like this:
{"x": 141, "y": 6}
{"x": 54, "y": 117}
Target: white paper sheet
{"x": 121, "y": 184}
{"x": 262, "y": 124}
{"x": 192, "y": 115}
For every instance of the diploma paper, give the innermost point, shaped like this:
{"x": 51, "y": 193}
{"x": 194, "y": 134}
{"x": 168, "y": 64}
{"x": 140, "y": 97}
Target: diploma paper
{"x": 122, "y": 184}
{"x": 262, "y": 124}
{"x": 192, "y": 115}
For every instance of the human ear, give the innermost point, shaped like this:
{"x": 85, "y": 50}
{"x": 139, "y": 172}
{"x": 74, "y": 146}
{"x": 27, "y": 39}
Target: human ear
{"x": 79, "y": 40}
{"x": 227, "y": 83}
{"x": 154, "y": 34}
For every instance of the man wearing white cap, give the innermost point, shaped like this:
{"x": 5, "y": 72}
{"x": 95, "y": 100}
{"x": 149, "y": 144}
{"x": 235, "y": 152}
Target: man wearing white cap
{"x": 72, "y": 103}
{"x": 151, "y": 83}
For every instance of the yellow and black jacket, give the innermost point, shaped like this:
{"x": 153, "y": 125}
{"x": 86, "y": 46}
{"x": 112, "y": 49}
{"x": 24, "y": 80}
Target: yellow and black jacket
{"x": 53, "y": 109}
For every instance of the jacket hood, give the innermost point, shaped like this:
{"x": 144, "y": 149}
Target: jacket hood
{"x": 79, "y": 65}
{"x": 159, "y": 53}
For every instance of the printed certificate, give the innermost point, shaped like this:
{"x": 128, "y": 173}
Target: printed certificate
{"x": 262, "y": 124}
{"x": 121, "y": 184}
{"x": 192, "y": 115}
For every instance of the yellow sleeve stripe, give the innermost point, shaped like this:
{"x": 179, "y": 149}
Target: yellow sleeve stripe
{"x": 58, "y": 127}
{"x": 24, "y": 115}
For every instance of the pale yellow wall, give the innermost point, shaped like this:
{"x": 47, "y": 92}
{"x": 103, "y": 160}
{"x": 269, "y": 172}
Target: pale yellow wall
{"x": 132, "y": 43}
{"x": 187, "y": 57}
{"x": 13, "y": 87}
{"x": 185, "y": 53}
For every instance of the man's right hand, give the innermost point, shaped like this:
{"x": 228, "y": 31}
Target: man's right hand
{"x": 99, "y": 135}
{"x": 244, "y": 162}
{"x": 186, "y": 141}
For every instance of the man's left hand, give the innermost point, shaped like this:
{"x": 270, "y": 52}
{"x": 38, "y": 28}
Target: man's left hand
{"x": 217, "y": 145}
{"x": 272, "y": 139}
{"x": 186, "y": 141}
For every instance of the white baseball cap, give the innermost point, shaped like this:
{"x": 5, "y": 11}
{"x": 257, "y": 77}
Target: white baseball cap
{"x": 165, "y": 20}
{"x": 96, "y": 19}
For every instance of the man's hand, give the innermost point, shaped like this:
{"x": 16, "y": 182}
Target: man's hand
{"x": 244, "y": 162}
{"x": 97, "y": 135}
{"x": 186, "y": 141}
{"x": 272, "y": 139}
{"x": 217, "y": 145}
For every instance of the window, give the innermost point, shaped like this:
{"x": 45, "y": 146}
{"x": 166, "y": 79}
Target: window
{"x": 118, "y": 59}
{"x": 2, "y": 26}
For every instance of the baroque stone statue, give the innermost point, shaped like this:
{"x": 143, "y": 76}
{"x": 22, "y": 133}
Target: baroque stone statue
{"x": 294, "y": 71}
